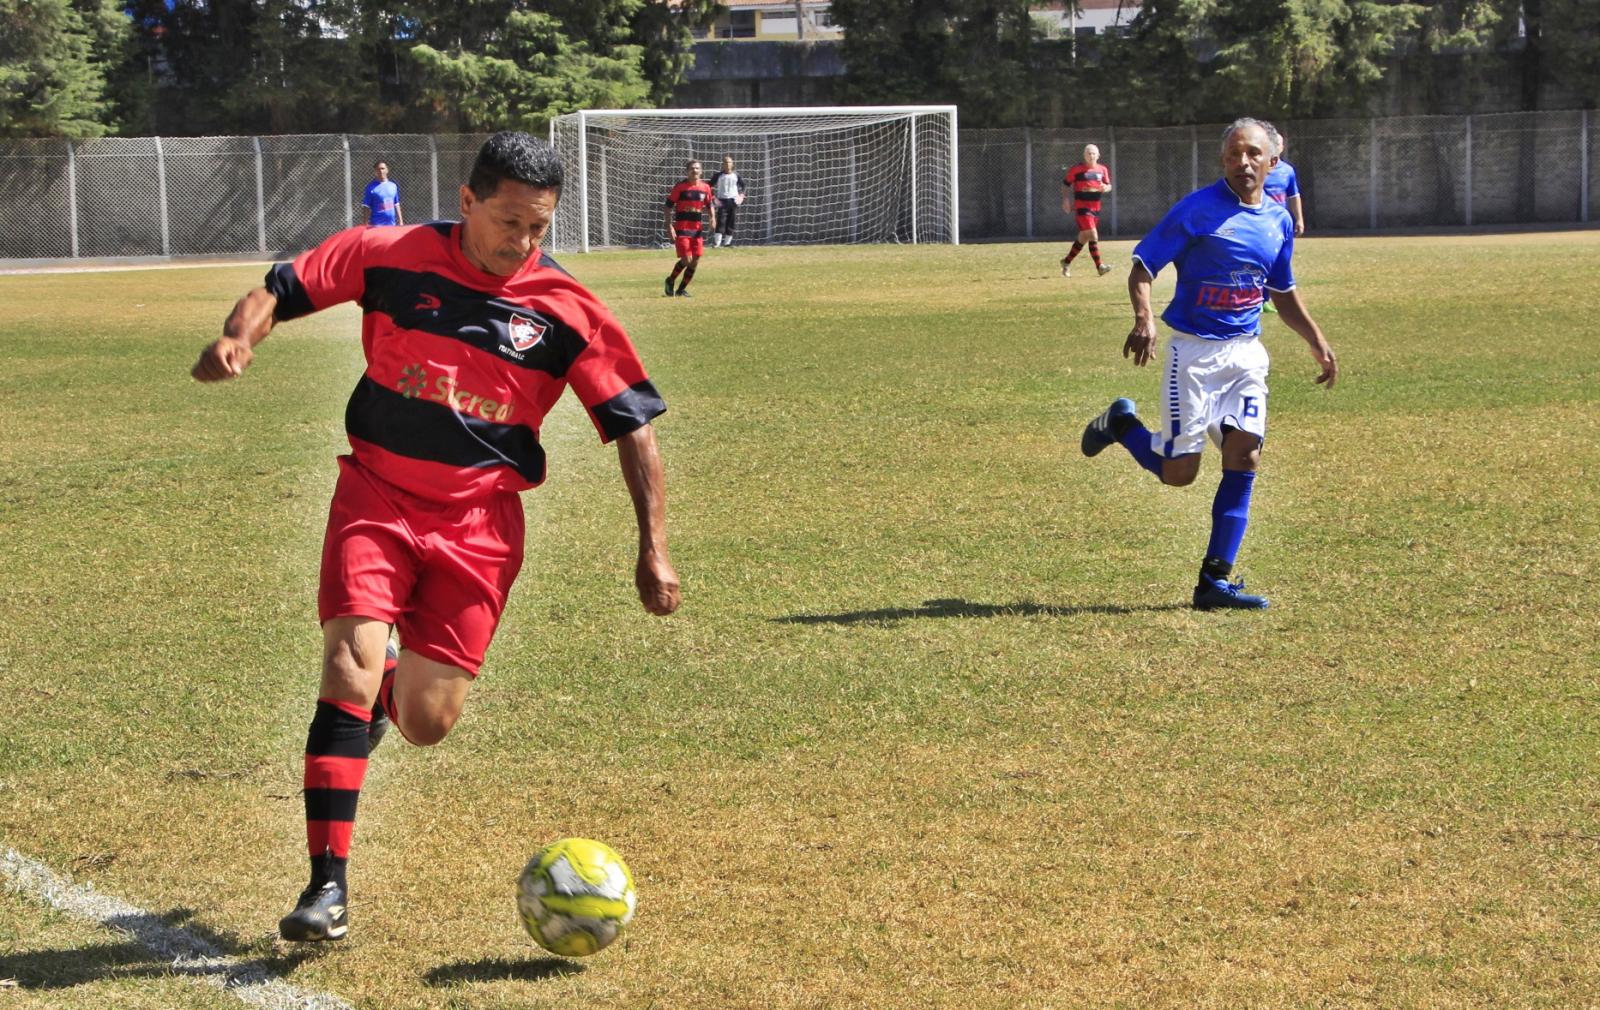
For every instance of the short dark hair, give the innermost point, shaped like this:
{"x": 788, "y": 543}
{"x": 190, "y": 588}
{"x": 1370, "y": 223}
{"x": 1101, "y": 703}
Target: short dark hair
{"x": 511, "y": 154}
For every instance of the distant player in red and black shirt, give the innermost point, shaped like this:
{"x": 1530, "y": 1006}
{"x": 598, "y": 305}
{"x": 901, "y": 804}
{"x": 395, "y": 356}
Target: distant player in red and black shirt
{"x": 470, "y": 335}
{"x": 1081, "y": 189}
{"x": 687, "y": 205}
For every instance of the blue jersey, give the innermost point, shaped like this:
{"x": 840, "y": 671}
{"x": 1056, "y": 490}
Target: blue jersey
{"x": 1228, "y": 254}
{"x": 383, "y": 198}
{"x": 1282, "y": 183}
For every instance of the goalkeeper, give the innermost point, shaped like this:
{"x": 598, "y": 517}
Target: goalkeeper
{"x": 728, "y": 186}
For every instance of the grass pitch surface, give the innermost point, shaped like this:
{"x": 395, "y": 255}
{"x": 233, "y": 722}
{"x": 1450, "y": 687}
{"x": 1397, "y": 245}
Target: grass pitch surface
{"x": 934, "y": 727}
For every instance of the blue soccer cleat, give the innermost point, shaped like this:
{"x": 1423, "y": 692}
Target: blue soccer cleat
{"x": 1220, "y": 594}
{"x": 1101, "y": 432}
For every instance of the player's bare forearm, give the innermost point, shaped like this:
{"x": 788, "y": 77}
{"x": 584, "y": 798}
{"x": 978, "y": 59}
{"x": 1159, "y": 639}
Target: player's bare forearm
{"x": 1294, "y": 315}
{"x": 1141, "y": 342}
{"x": 246, "y": 326}
{"x": 645, "y": 477}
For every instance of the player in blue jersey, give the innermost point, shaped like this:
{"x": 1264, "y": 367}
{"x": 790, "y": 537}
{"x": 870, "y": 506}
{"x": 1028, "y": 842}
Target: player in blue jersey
{"x": 381, "y": 200}
{"x": 1231, "y": 247}
{"x": 1283, "y": 185}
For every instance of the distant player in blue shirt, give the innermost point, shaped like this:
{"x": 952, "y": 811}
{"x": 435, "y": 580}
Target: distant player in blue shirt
{"x": 1231, "y": 247}
{"x": 1283, "y": 185}
{"x": 382, "y": 198}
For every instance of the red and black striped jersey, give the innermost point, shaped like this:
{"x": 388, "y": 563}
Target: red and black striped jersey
{"x": 462, "y": 365}
{"x": 689, "y": 201}
{"x": 1086, "y": 182}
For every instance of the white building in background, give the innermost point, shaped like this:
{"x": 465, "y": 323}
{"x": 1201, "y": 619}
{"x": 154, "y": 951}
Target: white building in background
{"x": 774, "y": 21}
{"x": 811, "y": 20}
{"x": 1086, "y": 17}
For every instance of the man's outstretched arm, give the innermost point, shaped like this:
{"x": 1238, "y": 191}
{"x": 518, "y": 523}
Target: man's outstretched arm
{"x": 642, "y": 471}
{"x": 246, "y": 326}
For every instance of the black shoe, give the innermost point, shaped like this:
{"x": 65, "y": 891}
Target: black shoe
{"x": 684, "y": 294}
{"x": 380, "y": 719}
{"x": 320, "y": 915}
{"x": 668, "y": 285}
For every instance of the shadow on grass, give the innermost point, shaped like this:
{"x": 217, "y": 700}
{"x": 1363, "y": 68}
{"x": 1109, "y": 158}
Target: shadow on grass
{"x": 496, "y": 969}
{"x": 200, "y": 951}
{"x": 965, "y": 608}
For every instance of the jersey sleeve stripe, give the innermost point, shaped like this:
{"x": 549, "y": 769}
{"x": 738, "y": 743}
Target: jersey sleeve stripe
{"x": 293, "y": 299}
{"x": 629, "y": 410}
{"x": 421, "y": 429}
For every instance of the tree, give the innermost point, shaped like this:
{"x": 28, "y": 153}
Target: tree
{"x": 528, "y": 71}
{"x": 53, "y": 67}
{"x": 1573, "y": 46}
{"x": 1205, "y": 59}
{"x": 978, "y": 54}
{"x": 513, "y": 63}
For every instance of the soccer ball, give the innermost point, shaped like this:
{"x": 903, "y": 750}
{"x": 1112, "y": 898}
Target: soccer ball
{"x": 576, "y": 897}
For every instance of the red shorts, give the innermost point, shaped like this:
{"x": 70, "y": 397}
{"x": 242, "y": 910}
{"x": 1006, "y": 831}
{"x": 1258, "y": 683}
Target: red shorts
{"x": 440, "y": 572}
{"x": 690, "y": 245}
{"x": 1088, "y": 220}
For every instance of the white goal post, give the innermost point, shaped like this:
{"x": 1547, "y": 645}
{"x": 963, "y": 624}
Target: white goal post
{"x": 841, "y": 174}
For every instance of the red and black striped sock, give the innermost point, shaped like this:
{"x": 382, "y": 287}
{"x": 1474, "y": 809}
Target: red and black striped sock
{"x": 1094, "y": 251}
{"x": 336, "y": 764}
{"x": 1077, "y": 247}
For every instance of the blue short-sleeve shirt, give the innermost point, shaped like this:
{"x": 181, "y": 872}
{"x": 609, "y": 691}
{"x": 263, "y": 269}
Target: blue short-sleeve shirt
{"x": 383, "y": 198}
{"x": 1228, "y": 255}
{"x": 1282, "y": 182}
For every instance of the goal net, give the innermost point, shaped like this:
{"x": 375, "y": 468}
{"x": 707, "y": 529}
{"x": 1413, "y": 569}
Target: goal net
{"x": 823, "y": 175}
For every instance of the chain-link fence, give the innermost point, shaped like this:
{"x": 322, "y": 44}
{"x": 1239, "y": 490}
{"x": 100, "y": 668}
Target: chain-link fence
{"x": 1522, "y": 168}
{"x": 153, "y": 196}
{"x": 180, "y": 196}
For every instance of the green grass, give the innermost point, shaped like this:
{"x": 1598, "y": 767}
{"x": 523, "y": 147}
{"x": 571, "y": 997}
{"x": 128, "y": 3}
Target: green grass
{"x": 933, "y": 728}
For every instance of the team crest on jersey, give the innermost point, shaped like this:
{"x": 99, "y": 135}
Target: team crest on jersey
{"x": 526, "y": 332}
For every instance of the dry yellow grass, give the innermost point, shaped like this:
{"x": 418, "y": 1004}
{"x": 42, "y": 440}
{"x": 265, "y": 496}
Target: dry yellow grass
{"x": 933, "y": 728}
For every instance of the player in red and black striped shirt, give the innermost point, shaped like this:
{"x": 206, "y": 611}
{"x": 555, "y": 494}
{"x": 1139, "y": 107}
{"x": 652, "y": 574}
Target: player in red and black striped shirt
{"x": 470, "y": 335}
{"x": 687, "y": 205}
{"x": 1083, "y": 187}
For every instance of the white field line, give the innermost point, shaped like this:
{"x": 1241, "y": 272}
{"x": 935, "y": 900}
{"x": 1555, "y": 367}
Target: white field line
{"x": 185, "y": 953}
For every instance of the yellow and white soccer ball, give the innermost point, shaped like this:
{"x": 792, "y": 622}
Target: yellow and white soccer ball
{"x": 576, "y": 897}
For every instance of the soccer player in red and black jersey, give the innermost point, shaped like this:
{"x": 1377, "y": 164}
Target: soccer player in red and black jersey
{"x": 687, "y": 205}
{"x": 470, "y": 334}
{"x": 1081, "y": 190}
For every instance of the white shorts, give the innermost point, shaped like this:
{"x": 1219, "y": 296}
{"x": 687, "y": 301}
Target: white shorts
{"x": 1209, "y": 384}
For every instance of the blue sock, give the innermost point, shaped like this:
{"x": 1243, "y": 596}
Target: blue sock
{"x": 1230, "y": 514}
{"x": 1135, "y": 438}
